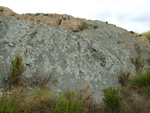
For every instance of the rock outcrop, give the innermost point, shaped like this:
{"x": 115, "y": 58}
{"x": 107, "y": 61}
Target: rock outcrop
{"x": 92, "y": 57}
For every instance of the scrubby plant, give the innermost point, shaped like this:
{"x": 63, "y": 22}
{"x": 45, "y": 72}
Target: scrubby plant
{"x": 112, "y": 100}
{"x": 147, "y": 34}
{"x": 68, "y": 103}
{"x": 39, "y": 92}
{"x": 82, "y": 26}
{"x": 40, "y": 100}
{"x": 16, "y": 70}
{"x": 7, "y": 105}
{"x": 138, "y": 62}
{"x": 141, "y": 81}
{"x": 132, "y": 32}
{"x": 95, "y": 27}
{"x": 123, "y": 78}
{"x": 137, "y": 48}
{"x": 37, "y": 14}
{"x": 45, "y": 14}
{"x": 1, "y": 9}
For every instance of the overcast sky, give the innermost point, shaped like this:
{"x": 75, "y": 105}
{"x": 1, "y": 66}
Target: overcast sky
{"x": 133, "y": 15}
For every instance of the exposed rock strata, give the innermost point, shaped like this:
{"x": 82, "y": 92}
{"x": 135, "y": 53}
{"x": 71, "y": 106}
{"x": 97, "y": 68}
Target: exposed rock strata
{"x": 94, "y": 56}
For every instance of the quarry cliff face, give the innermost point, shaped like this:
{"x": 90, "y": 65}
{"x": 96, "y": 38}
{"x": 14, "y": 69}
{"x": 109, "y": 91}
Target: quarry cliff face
{"x": 93, "y": 57}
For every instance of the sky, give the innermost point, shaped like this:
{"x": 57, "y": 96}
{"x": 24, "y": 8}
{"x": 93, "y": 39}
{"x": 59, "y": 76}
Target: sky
{"x": 133, "y": 15}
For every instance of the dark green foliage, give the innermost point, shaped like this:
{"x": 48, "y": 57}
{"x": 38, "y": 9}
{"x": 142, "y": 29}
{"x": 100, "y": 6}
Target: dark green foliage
{"x": 46, "y": 14}
{"x": 1, "y": 9}
{"x": 68, "y": 103}
{"x": 95, "y": 27}
{"x": 7, "y": 105}
{"x": 75, "y": 30}
{"x": 123, "y": 78}
{"x": 17, "y": 69}
{"x": 82, "y": 26}
{"x": 112, "y": 100}
{"x": 147, "y": 34}
{"x": 132, "y": 32}
{"x": 37, "y": 14}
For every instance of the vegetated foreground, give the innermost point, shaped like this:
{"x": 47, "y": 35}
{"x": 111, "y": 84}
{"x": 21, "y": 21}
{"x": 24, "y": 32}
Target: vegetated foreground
{"x": 132, "y": 97}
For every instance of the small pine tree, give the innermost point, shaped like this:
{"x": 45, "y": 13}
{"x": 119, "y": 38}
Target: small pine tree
{"x": 16, "y": 70}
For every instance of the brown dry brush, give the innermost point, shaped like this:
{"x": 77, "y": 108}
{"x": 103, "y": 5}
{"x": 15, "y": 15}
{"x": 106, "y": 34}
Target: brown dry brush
{"x": 123, "y": 78}
{"x": 88, "y": 100}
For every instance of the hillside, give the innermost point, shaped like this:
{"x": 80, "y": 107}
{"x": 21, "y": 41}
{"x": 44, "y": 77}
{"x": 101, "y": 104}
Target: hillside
{"x": 91, "y": 57}
{"x": 62, "y": 21}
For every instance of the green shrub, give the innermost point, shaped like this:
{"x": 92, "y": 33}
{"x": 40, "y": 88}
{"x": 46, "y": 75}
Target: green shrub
{"x": 147, "y": 34}
{"x": 112, "y": 100}
{"x": 16, "y": 70}
{"x": 37, "y": 14}
{"x": 39, "y": 92}
{"x": 7, "y": 106}
{"x": 40, "y": 100}
{"x": 132, "y": 32}
{"x": 141, "y": 80}
{"x": 68, "y": 103}
{"x": 1, "y": 9}
{"x": 95, "y": 27}
{"x": 82, "y": 26}
{"x": 45, "y": 14}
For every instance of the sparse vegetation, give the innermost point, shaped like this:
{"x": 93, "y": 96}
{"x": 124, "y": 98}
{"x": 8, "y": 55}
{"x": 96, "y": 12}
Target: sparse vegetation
{"x": 46, "y": 14}
{"x": 82, "y": 26}
{"x": 112, "y": 100}
{"x": 37, "y": 14}
{"x": 7, "y": 105}
{"x": 16, "y": 70}
{"x": 138, "y": 62}
{"x": 147, "y": 34}
{"x": 1, "y": 9}
{"x": 69, "y": 103}
{"x": 95, "y": 27}
{"x": 141, "y": 81}
{"x": 123, "y": 78}
{"x": 43, "y": 100}
{"x": 132, "y": 32}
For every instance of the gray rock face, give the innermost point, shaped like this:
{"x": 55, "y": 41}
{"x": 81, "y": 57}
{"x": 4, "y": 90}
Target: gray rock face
{"x": 76, "y": 60}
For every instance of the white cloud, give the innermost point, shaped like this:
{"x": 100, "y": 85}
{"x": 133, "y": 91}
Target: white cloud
{"x": 129, "y": 14}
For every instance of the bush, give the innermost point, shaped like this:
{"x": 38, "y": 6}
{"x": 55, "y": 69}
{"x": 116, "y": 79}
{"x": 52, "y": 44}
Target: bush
{"x": 132, "y": 32}
{"x": 95, "y": 27}
{"x": 138, "y": 62}
{"x": 112, "y": 100}
{"x": 142, "y": 80}
{"x": 40, "y": 100}
{"x": 7, "y": 105}
{"x": 16, "y": 70}
{"x": 69, "y": 104}
{"x": 82, "y": 26}
{"x": 1, "y": 9}
{"x": 123, "y": 78}
{"x": 147, "y": 34}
